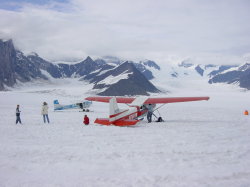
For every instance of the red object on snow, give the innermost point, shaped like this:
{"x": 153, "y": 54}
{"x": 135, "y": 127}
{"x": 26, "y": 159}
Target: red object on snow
{"x": 86, "y": 120}
{"x": 126, "y": 122}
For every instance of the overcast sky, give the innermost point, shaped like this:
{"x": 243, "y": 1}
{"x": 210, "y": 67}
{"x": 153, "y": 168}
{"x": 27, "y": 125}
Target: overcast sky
{"x": 204, "y": 31}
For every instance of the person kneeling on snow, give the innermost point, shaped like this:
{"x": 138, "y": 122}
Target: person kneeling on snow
{"x": 86, "y": 120}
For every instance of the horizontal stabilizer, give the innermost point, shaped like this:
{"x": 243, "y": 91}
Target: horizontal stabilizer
{"x": 102, "y": 121}
{"x": 105, "y": 121}
{"x": 126, "y": 122}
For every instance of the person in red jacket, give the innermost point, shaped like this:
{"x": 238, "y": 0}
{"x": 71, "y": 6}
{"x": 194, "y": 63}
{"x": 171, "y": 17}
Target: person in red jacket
{"x": 86, "y": 120}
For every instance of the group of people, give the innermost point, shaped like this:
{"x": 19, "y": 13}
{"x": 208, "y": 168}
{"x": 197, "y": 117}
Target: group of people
{"x": 44, "y": 112}
{"x": 45, "y": 115}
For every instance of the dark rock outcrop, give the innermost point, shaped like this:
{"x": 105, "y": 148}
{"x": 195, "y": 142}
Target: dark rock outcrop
{"x": 26, "y": 70}
{"x": 40, "y": 63}
{"x": 150, "y": 63}
{"x": 7, "y": 64}
{"x": 148, "y": 74}
{"x": 199, "y": 70}
{"x": 14, "y": 65}
{"x": 221, "y": 69}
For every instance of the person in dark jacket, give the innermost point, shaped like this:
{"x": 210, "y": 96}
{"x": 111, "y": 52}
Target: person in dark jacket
{"x": 86, "y": 120}
{"x": 18, "y": 119}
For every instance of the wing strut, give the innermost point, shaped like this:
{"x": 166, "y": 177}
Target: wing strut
{"x": 159, "y": 119}
{"x": 160, "y": 107}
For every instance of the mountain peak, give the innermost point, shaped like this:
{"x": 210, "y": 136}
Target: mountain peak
{"x": 7, "y": 43}
{"x": 88, "y": 57}
{"x": 244, "y": 67}
{"x": 88, "y": 60}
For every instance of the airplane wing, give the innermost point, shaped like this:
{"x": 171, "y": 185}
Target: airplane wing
{"x": 158, "y": 100}
{"x": 173, "y": 100}
{"x": 106, "y": 99}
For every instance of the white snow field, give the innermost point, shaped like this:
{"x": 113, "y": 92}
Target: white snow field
{"x": 204, "y": 143}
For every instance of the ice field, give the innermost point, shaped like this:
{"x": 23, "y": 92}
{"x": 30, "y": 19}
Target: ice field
{"x": 205, "y": 143}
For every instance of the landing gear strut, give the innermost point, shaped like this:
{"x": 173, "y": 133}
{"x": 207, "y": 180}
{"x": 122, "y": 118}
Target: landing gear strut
{"x": 158, "y": 119}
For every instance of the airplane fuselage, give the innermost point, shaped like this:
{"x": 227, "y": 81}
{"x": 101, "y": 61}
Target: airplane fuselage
{"x": 64, "y": 107}
{"x": 134, "y": 112}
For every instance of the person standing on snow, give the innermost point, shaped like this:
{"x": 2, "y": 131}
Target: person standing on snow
{"x": 150, "y": 113}
{"x": 18, "y": 119}
{"x": 86, "y": 120}
{"x": 45, "y": 109}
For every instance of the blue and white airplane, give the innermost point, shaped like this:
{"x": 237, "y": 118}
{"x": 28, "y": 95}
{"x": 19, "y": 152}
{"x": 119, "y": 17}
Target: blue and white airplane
{"x": 81, "y": 105}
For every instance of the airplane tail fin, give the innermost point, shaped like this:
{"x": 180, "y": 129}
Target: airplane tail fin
{"x": 57, "y": 105}
{"x": 114, "y": 111}
{"x": 113, "y": 107}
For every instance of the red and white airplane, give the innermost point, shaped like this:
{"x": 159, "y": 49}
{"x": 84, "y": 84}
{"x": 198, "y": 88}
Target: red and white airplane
{"x": 138, "y": 108}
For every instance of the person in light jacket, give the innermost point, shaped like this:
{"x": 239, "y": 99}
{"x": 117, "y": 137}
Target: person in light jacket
{"x": 45, "y": 109}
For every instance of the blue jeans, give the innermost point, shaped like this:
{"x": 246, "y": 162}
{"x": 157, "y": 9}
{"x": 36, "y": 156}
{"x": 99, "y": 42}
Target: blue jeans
{"x": 18, "y": 119}
{"x": 45, "y": 116}
{"x": 149, "y": 116}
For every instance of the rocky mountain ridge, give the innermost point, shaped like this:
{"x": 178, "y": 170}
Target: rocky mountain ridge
{"x": 110, "y": 75}
{"x": 15, "y": 66}
{"x": 239, "y": 75}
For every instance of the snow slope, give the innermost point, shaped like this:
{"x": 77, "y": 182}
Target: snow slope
{"x": 114, "y": 79}
{"x": 203, "y": 143}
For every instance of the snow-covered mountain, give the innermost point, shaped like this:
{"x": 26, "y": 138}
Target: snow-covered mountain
{"x": 229, "y": 74}
{"x": 113, "y": 76}
{"x": 238, "y": 75}
{"x": 18, "y": 67}
{"x": 125, "y": 79}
